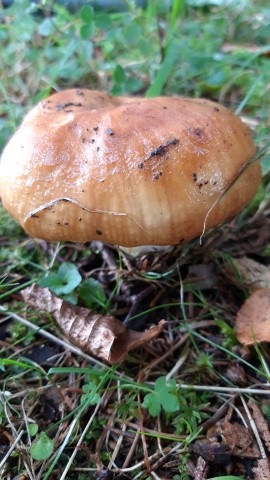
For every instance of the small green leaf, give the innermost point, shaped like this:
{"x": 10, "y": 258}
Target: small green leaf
{"x": 102, "y": 20}
{"x": 42, "y": 448}
{"x": 70, "y": 277}
{"x": 71, "y": 298}
{"x": 162, "y": 385}
{"x": 32, "y": 429}
{"x": 152, "y": 403}
{"x": 90, "y": 395}
{"x": 86, "y": 31}
{"x": 119, "y": 75}
{"x": 52, "y": 281}
{"x": 169, "y": 402}
{"x": 64, "y": 281}
{"x": 87, "y": 14}
{"x": 91, "y": 293}
{"x": 162, "y": 397}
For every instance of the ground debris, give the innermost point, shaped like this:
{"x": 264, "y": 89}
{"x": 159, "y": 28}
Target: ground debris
{"x": 103, "y": 474}
{"x": 261, "y": 424}
{"x": 215, "y": 453}
{"x": 201, "y": 469}
{"x": 224, "y": 441}
{"x": 251, "y": 274}
{"x": 202, "y": 276}
{"x": 236, "y": 374}
{"x": 262, "y": 471}
{"x": 236, "y": 437}
{"x": 253, "y": 318}
{"x": 50, "y": 404}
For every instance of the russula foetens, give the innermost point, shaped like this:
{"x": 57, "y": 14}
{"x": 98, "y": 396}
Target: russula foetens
{"x": 129, "y": 171}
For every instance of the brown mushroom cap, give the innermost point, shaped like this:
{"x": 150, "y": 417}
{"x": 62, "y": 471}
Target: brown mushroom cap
{"x": 130, "y": 171}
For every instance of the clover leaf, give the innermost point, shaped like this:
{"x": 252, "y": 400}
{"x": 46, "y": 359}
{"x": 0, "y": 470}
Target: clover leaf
{"x": 64, "y": 281}
{"x": 162, "y": 397}
{"x": 90, "y": 395}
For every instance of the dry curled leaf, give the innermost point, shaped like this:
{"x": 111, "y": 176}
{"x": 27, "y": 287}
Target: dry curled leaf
{"x": 253, "y": 318}
{"x": 101, "y": 335}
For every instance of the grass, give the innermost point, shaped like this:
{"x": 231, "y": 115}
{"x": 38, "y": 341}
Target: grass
{"x": 64, "y": 414}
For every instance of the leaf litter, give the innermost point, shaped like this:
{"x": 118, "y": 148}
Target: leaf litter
{"x": 210, "y": 301}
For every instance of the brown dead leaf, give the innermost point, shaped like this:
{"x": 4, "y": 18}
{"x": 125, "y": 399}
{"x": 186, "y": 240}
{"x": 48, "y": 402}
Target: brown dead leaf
{"x": 261, "y": 424}
{"x": 216, "y": 454}
{"x": 236, "y": 374}
{"x": 237, "y": 438}
{"x": 253, "y": 318}
{"x": 262, "y": 471}
{"x": 101, "y": 335}
{"x": 253, "y": 275}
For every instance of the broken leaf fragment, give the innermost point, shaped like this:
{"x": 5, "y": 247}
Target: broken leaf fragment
{"x": 253, "y": 318}
{"x": 250, "y": 274}
{"x": 101, "y": 335}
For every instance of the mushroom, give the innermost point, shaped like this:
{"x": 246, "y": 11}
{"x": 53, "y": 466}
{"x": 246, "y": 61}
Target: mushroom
{"x": 130, "y": 171}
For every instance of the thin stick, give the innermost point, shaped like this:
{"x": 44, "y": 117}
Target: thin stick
{"x": 75, "y": 451}
{"x": 225, "y": 389}
{"x": 13, "y": 446}
{"x": 16, "y": 435}
{"x": 217, "y": 388}
{"x": 117, "y": 447}
{"x": 265, "y": 366}
{"x": 254, "y": 429}
{"x": 178, "y": 365}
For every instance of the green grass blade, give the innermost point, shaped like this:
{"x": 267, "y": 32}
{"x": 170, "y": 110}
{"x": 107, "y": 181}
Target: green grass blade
{"x": 164, "y": 72}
